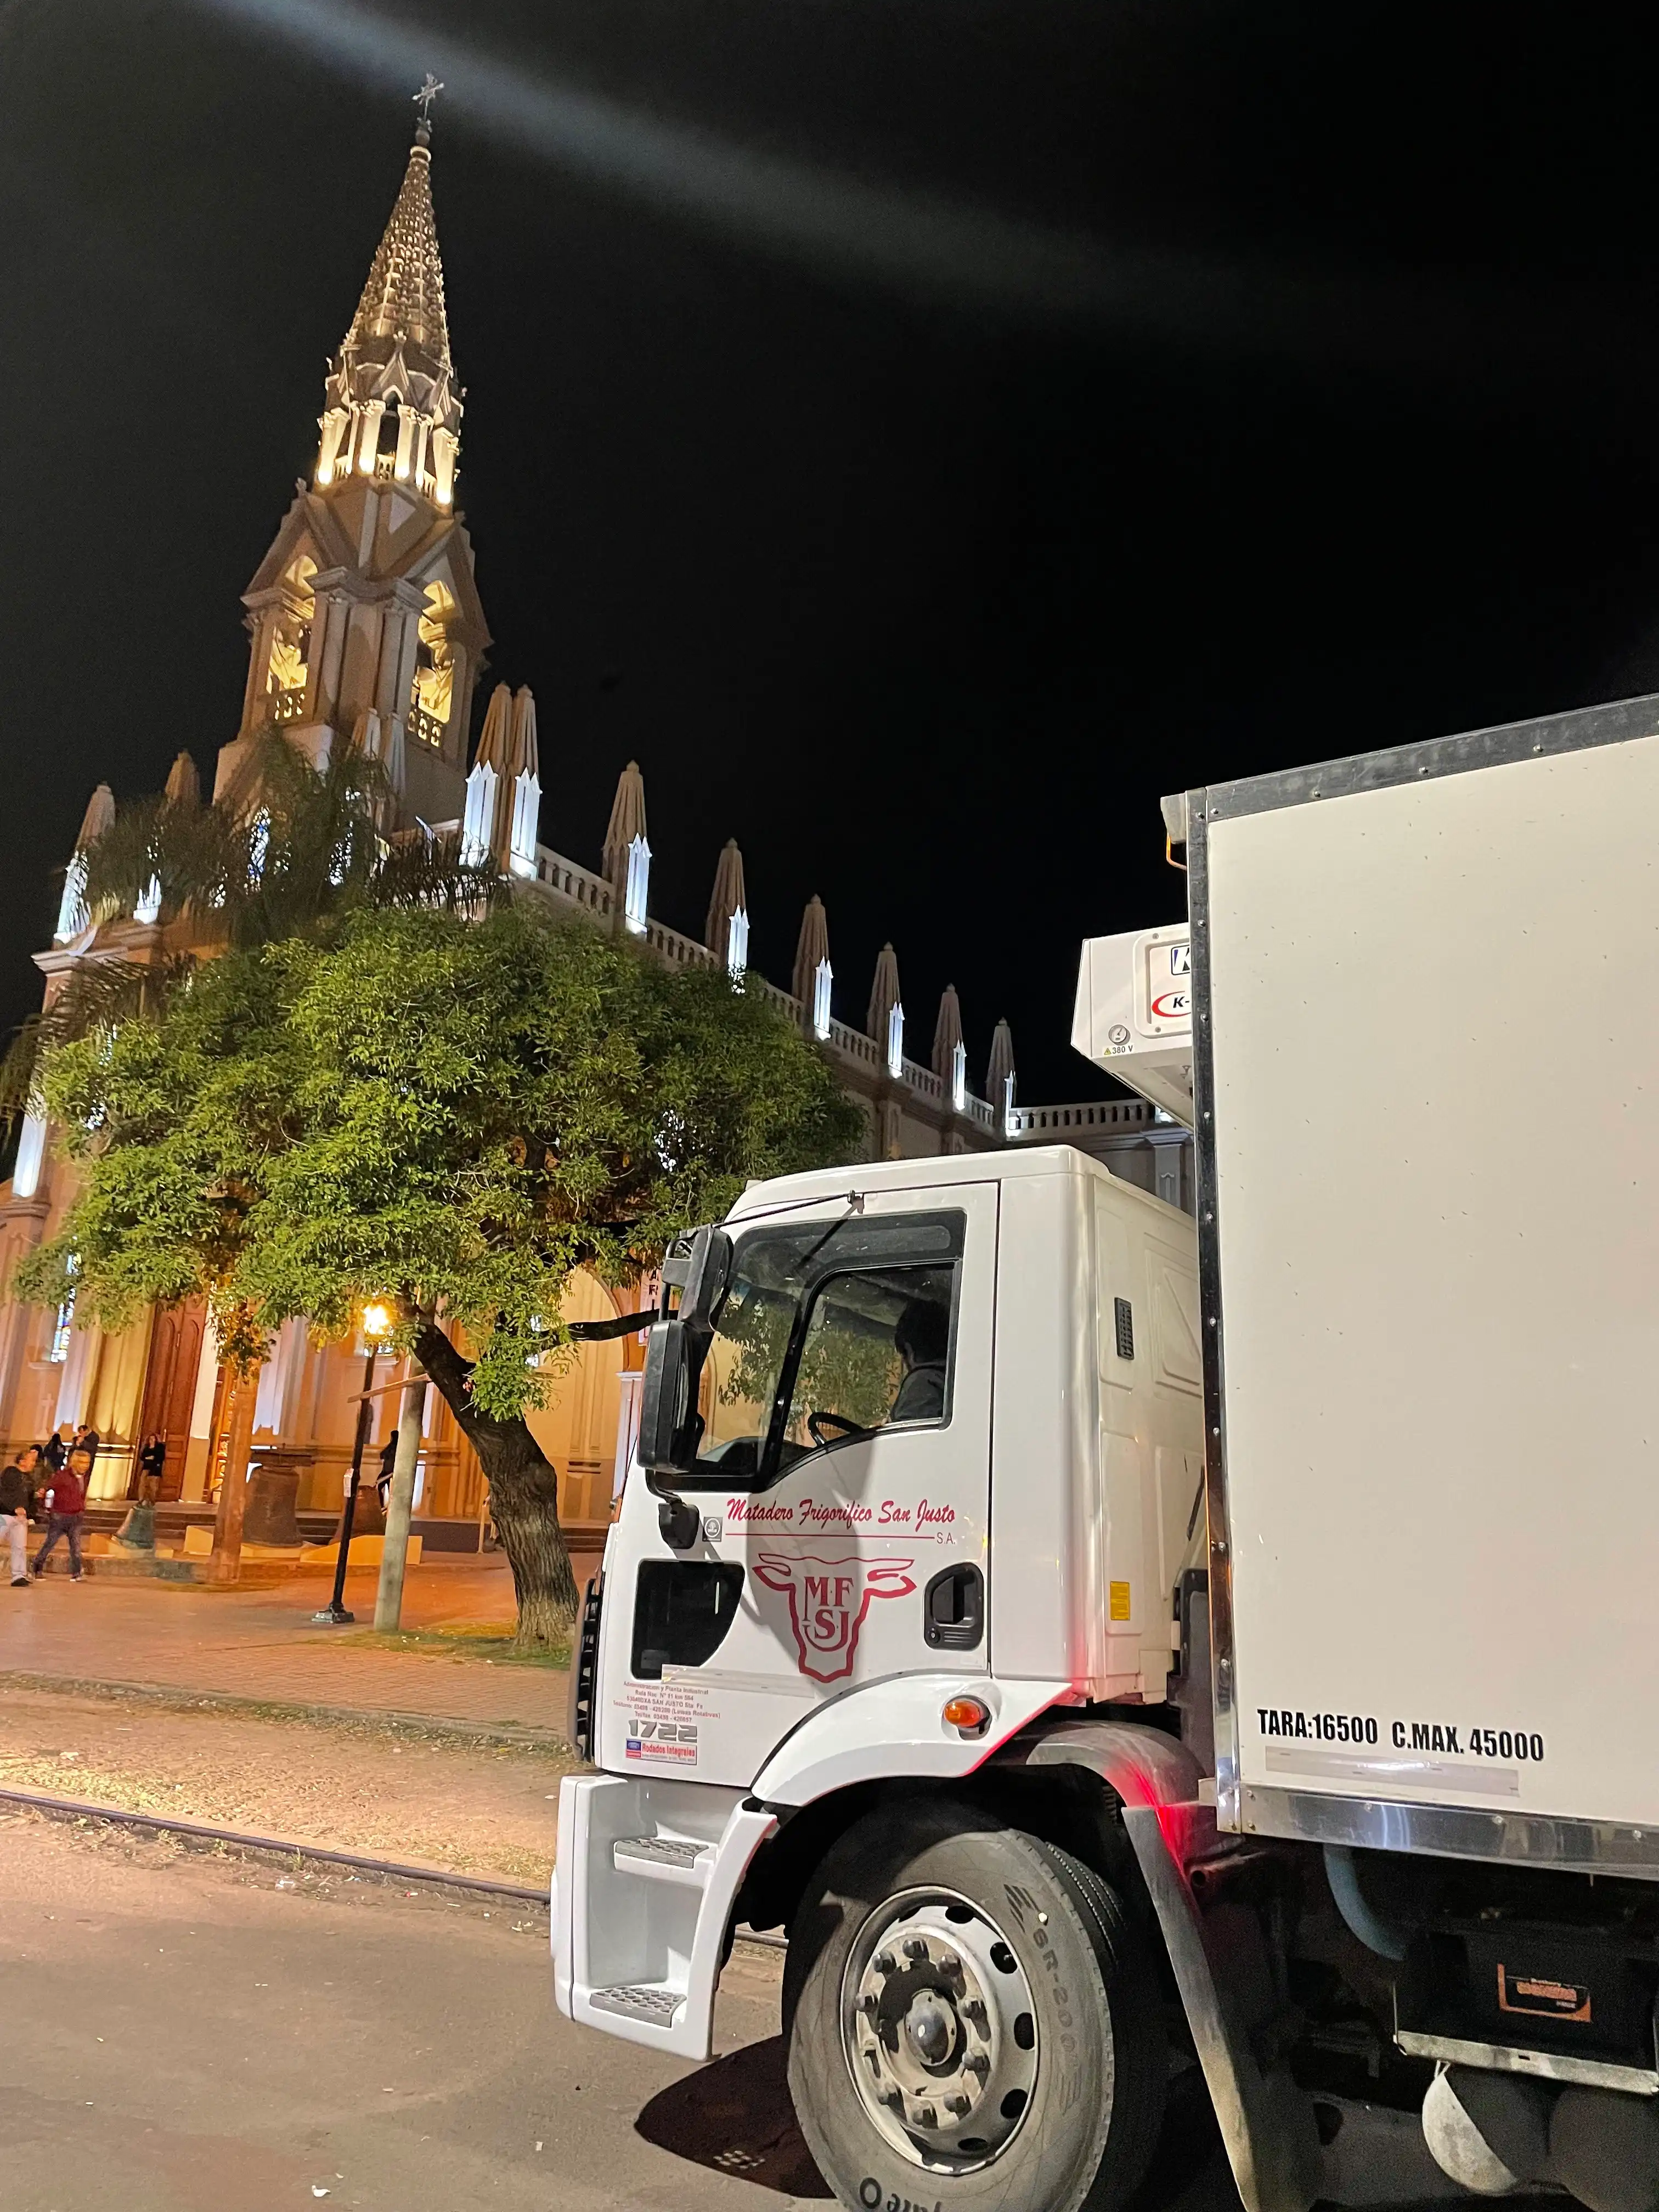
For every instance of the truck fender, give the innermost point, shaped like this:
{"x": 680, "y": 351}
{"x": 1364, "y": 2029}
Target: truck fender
{"x": 897, "y": 1727}
{"x": 1218, "y": 1954}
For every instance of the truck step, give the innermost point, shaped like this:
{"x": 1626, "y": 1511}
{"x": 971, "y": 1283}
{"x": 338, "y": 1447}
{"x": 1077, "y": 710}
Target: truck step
{"x": 653, "y": 2003}
{"x": 662, "y": 1858}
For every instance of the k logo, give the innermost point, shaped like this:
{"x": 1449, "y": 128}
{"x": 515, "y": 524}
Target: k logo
{"x": 828, "y": 1601}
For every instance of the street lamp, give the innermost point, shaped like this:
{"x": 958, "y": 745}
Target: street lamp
{"x": 377, "y": 1327}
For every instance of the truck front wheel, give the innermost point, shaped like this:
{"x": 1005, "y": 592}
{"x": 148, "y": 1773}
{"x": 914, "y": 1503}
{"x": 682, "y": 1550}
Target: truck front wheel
{"x": 974, "y": 2021}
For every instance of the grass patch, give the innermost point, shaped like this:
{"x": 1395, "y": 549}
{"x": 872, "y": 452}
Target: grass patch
{"x": 457, "y": 1640}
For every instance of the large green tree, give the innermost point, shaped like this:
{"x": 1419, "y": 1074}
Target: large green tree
{"x": 449, "y": 1114}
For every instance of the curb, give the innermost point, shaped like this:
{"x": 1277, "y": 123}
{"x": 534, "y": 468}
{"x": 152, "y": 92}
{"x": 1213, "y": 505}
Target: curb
{"x": 75, "y": 1808}
{"x": 526, "y": 1735}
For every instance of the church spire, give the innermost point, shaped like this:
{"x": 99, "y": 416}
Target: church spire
{"x": 727, "y": 931}
{"x": 627, "y": 852}
{"x": 1000, "y": 1079}
{"x": 950, "y": 1052}
{"x": 392, "y": 408}
{"x": 886, "y": 1021}
{"x": 814, "y": 974}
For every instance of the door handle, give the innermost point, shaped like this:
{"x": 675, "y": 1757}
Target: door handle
{"x": 953, "y": 1609}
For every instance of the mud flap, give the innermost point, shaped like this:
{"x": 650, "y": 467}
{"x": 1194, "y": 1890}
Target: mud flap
{"x": 1225, "y": 1976}
{"x": 1219, "y": 1956}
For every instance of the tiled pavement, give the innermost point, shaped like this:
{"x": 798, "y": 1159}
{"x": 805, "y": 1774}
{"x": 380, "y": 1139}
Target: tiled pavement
{"x": 262, "y": 1645}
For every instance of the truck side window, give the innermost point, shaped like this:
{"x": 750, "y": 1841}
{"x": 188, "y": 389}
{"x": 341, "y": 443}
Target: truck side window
{"x": 828, "y": 1329}
{"x": 876, "y": 1354}
{"x": 682, "y": 1609}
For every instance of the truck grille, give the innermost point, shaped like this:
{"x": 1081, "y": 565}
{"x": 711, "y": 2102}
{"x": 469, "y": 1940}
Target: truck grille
{"x": 585, "y": 1672}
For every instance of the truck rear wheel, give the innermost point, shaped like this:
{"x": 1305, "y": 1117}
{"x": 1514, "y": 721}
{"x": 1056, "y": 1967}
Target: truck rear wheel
{"x": 974, "y": 2022}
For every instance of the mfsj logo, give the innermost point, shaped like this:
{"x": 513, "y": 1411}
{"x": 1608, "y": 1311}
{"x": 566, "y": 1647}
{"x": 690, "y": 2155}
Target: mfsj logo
{"x": 828, "y": 1601}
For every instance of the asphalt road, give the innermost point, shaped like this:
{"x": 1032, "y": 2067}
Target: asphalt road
{"x": 185, "y": 2034}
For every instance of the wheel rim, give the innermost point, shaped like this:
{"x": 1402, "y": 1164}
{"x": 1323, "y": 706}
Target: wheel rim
{"x": 939, "y": 2030}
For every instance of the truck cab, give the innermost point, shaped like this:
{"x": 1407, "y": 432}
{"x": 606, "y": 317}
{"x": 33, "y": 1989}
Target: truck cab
{"x": 948, "y": 1461}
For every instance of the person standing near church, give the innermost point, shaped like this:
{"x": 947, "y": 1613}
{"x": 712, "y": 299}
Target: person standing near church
{"x": 66, "y": 1503}
{"x": 17, "y": 1502}
{"x": 152, "y": 1467}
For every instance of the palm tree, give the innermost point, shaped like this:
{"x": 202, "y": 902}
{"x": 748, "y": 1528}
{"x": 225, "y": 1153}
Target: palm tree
{"x": 289, "y": 851}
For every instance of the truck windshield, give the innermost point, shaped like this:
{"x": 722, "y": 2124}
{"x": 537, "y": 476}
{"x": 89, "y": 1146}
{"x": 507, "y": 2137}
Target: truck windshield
{"x": 824, "y": 1337}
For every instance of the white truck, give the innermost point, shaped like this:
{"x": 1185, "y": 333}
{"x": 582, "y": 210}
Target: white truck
{"x": 1110, "y": 1642}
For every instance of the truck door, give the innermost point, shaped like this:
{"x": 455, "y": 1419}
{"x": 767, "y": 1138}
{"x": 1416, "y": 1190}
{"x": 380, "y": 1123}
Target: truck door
{"x": 843, "y": 1481}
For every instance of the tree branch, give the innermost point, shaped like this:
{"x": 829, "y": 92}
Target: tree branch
{"x": 599, "y": 1332}
{"x": 448, "y": 1370}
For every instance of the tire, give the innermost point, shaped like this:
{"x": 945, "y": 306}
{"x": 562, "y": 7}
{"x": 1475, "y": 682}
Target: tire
{"x": 1025, "y": 1990}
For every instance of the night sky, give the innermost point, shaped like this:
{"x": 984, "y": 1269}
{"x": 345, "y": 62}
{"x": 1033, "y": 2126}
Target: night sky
{"x": 921, "y": 432}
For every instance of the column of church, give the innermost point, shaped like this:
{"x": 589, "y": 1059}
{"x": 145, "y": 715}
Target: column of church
{"x": 328, "y": 629}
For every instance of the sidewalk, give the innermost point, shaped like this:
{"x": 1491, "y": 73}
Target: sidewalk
{"x": 418, "y": 1796}
{"x": 262, "y": 1646}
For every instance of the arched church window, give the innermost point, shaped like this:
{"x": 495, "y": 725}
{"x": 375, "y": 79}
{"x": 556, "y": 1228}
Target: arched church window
{"x": 386, "y": 449}
{"x": 433, "y": 693}
{"x": 290, "y": 645}
{"x": 58, "y": 1350}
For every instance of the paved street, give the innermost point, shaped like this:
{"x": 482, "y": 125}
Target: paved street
{"x": 190, "y": 2034}
{"x": 184, "y": 2035}
{"x": 261, "y": 1645}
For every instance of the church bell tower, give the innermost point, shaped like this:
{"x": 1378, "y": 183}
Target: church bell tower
{"x": 365, "y": 621}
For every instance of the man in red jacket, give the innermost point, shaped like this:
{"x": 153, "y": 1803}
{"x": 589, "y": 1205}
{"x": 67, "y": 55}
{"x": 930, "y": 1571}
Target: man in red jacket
{"x": 66, "y": 1501}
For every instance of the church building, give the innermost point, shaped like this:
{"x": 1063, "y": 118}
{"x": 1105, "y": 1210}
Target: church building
{"x": 367, "y": 629}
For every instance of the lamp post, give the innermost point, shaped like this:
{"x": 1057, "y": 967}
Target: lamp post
{"x": 377, "y": 1324}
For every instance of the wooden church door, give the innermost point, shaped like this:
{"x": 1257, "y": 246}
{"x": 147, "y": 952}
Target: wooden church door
{"x": 175, "y": 1353}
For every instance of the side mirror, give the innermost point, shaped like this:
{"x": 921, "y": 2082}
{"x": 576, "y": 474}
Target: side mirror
{"x": 670, "y": 1428}
{"x": 708, "y": 1272}
{"x": 667, "y": 1439}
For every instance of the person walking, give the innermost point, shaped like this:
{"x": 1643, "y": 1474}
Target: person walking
{"x": 55, "y": 1449}
{"x": 388, "y": 1464}
{"x": 66, "y": 1502}
{"x": 16, "y": 1503}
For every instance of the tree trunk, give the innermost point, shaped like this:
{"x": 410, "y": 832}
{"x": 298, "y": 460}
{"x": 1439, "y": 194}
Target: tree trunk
{"x": 225, "y": 1561}
{"x": 524, "y": 1497}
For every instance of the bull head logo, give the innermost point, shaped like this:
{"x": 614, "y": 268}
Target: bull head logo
{"x": 828, "y": 1601}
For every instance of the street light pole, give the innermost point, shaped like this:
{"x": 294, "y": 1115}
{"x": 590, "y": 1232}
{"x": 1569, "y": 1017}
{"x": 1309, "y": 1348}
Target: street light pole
{"x": 334, "y": 1613}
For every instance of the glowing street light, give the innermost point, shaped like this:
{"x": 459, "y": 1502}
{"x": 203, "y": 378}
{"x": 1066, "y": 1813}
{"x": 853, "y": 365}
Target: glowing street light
{"x": 377, "y": 1327}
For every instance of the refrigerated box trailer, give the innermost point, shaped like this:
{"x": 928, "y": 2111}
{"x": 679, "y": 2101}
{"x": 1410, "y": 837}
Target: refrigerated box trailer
{"x": 1114, "y": 1645}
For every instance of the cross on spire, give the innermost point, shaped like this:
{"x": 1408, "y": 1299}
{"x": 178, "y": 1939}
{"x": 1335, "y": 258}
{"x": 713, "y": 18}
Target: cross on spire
{"x": 423, "y": 99}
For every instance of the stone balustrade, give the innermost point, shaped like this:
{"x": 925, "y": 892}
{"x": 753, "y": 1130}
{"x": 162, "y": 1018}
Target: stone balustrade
{"x": 570, "y": 883}
{"x": 1042, "y": 1122}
